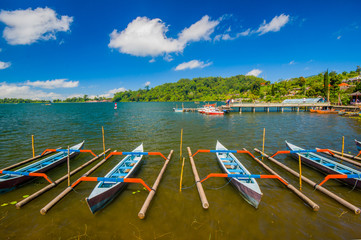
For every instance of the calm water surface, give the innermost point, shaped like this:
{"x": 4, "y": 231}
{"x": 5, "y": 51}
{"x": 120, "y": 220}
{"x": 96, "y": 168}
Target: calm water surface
{"x": 174, "y": 215}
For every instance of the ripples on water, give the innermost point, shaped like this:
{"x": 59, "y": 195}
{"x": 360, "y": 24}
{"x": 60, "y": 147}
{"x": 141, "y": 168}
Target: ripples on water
{"x": 174, "y": 215}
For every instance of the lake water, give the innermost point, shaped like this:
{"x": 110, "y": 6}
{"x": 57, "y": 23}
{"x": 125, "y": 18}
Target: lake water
{"x": 174, "y": 214}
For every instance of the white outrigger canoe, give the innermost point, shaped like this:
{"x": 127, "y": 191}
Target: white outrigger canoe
{"x": 105, "y": 192}
{"x": 248, "y": 188}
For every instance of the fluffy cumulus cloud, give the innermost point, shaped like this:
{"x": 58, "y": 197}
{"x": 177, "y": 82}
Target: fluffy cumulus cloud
{"x": 51, "y": 84}
{"x": 147, "y": 37}
{"x": 28, "y": 26}
{"x": 254, "y": 72}
{"x": 4, "y": 65}
{"x": 191, "y": 65}
{"x": 26, "y": 92}
{"x": 200, "y": 30}
{"x": 111, "y": 93}
{"x": 147, "y": 83}
{"x": 275, "y": 25}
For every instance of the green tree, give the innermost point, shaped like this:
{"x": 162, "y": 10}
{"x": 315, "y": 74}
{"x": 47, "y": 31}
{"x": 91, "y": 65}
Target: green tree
{"x": 325, "y": 85}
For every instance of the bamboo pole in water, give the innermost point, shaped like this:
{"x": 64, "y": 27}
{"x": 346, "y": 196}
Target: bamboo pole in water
{"x": 50, "y": 186}
{"x": 300, "y": 169}
{"x": 180, "y": 150}
{"x": 264, "y": 136}
{"x": 151, "y": 194}
{"x": 202, "y": 195}
{"x": 343, "y": 202}
{"x": 45, "y": 209}
{"x": 181, "y": 177}
{"x": 343, "y": 144}
{"x": 302, "y": 196}
{"x": 344, "y": 158}
{"x": 103, "y": 140}
{"x": 68, "y": 162}
{"x": 32, "y": 144}
{"x": 26, "y": 161}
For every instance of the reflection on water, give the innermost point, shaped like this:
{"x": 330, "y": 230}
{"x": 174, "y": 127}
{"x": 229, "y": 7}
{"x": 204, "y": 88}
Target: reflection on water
{"x": 174, "y": 215}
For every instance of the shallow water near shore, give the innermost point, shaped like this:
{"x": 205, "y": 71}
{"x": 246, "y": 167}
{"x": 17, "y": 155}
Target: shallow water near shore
{"x": 174, "y": 214}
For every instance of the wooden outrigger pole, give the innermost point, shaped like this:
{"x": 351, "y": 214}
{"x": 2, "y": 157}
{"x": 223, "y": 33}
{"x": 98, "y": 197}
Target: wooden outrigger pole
{"x": 151, "y": 194}
{"x": 202, "y": 195}
{"x": 54, "y": 184}
{"x": 343, "y": 202}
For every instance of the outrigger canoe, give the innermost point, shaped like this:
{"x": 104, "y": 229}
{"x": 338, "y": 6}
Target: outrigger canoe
{"x": 248, "y": 188}
{"x": 10, "y": 181}
{"x": 326, "y": 166}
{"x": 105, "y": 192}
{"x": 358, "y": 145}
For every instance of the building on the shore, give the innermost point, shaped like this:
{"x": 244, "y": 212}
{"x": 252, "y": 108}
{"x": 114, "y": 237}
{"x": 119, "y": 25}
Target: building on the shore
{"x": 304, "y": 100}
{"x": 356, "y": 98}
{"x": 344, "y": 86}
{"x": 352, "y": 80}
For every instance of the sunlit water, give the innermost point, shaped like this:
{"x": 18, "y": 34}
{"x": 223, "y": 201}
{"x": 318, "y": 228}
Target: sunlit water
{"x": 174, "y": 214}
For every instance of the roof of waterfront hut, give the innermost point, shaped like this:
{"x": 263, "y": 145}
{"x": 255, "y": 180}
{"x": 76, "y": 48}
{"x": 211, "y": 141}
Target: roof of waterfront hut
{"x": 304, "y": 100}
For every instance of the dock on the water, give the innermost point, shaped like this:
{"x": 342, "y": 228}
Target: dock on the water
{"x": 279, "y": 106}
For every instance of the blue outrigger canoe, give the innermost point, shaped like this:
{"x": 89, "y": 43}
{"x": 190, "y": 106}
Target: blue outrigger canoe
{"x": 105, "y": 192}
{"x": 9, "y": 182}
{"x": 327, "y": 166}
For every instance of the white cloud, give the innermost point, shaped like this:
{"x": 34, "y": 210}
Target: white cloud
{"x": 292, "y": 62}
{"x": 25, "y": 92}
{"x": 245, "y": 33}
{"x": 4, "y": 65}
{"x": 144, "y": 37}
{"x": 200, "y": 30}
{"x": 28, "y": 26}
{"x": 152, "y": 60}
{"x": 275, "y": 25}
{"x": 339, "y": 37}
{"x": 51, "y": 84}
{"x": 111, "y": 93}
{"x": 192, "y": 64}
{"x": 254, "y": 72}
{"x": 147, "y": 83}
{"x": 147, "y": 37}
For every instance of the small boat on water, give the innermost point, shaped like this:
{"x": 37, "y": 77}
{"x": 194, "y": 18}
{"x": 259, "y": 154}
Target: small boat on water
{"x": 10, "y": 181}
{"x": 105, "y": 192}
{"x": 248, "y": 188}
{"x": 326, "y": 166}
{"x": 313, "y": 110}
{"x": 176, "y": 109}
{"x": 358, "y": 145}
{"x": 214, "y": 112}
{"x": 327, "y": 111}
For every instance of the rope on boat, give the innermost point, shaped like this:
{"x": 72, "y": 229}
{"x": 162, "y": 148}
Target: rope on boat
{"x": 354, "y": 186}
{"x": 230, "y": 179}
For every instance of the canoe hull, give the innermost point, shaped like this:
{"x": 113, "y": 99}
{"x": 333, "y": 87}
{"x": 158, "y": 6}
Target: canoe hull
{"x": 252, "y": 196}
{"x": 100, "y": 199}
{"x": 325, "y": 170}
{"x": 8, "y": 185}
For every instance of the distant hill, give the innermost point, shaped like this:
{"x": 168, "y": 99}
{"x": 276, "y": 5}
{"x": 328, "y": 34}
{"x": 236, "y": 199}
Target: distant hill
{"x": 197, "y": 89}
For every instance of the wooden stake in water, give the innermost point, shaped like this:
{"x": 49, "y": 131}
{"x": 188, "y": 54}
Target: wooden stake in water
{"x": 264, "y": 136}
{"x": 103, "y": 140}
{"x": 343, "y": 144}
{"x": 181, "y": 178}
{"x": 32, "y": 143}
{"x": 68, "y": 166}
{"x": 180, "y": 150}
{"x": 299, "y": 165}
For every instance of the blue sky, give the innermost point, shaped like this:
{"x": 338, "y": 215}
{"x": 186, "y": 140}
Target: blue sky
{"x": 63, "y": 48}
